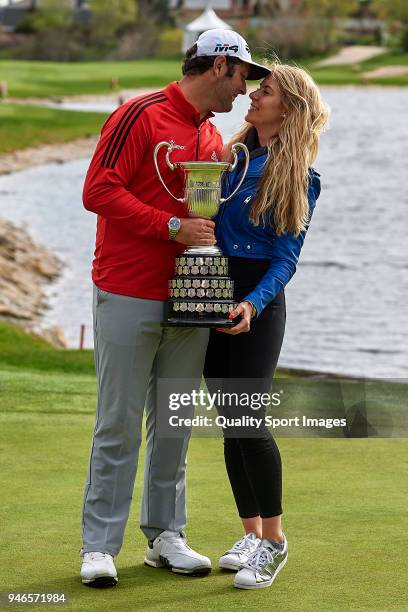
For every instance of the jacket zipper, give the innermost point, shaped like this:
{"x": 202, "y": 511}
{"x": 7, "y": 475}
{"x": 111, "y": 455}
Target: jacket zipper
{"x": 198, "y": 143}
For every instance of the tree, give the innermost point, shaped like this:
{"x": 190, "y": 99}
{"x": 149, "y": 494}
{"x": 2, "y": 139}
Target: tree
{"x": 331, "y": 9}
{"x": 51, "y": 32}
{"x": 109, "y": 16}
{"x": 51, "y": 15}
{"x": 397, "y": 11}
{"x": 108, "y": 19}
{"x": 393, "y": 10}
{"x": 156, "y": 11}
{"x": 328, "y": 13}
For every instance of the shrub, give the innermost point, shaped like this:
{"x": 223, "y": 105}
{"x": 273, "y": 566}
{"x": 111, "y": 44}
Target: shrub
{"x": 292, "y": 37}
{"x": 51, "y": 45}
{"x": 170, "y": 41}
{"x": 404, "y": 39}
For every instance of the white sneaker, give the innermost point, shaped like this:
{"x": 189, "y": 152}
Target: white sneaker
{"x": 98, "y": 569}
{"x": 238, "y": 555}
{"x": 262, "y": 567}
{"x": 170, "y": 550}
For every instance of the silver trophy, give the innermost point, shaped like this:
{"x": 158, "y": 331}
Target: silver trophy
{"x": 201, "y": 294}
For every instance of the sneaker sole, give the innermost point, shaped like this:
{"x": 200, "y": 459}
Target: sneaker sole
{"x": 261, "y": 585}
{"x": 230, "y": 566}
{"x": 101, "y": 582}
{"x": 198, "y": 571}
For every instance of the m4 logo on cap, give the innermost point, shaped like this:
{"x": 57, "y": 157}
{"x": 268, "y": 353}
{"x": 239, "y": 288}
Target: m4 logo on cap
{"x": 220, "y": 47}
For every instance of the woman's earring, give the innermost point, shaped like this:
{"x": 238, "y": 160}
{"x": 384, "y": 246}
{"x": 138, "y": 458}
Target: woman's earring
{"x": 284, "y": 115}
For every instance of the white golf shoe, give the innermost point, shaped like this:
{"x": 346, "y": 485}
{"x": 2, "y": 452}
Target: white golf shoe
{"x": 98, "y": 569}
{"x": 170, "y": 550}
{"x": 262, "y": 567}
{"x": 236, "y": 557}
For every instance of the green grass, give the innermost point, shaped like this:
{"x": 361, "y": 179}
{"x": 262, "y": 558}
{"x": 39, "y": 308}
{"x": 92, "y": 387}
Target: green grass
{"x": 345, "y": 506}
{"x": 27, "y": 126}
{"x": 334, "y": 75}
{"x": 387, "y": 59}
{"x": 352, "y": 74}
{"x": 42, "y": 79}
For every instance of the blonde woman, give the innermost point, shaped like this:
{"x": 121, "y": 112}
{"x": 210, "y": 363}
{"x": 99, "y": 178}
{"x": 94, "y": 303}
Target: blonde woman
{"x": 262, "y": 230}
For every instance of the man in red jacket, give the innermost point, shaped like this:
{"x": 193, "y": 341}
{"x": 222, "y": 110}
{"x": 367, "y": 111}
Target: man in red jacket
{"x": 140, "y": 230}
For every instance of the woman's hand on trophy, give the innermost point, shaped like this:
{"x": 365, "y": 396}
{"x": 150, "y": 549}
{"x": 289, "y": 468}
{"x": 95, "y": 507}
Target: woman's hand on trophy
{"x": 196, "y": 231}
{"x": 244, "y": 309}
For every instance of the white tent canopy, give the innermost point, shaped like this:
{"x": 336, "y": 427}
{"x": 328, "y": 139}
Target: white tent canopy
{"x": 208, "y": 20}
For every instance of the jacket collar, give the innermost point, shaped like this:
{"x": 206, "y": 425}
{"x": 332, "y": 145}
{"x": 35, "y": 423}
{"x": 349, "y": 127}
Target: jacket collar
{"x": 184, "y": 108}
{"x": 252, "y": 142}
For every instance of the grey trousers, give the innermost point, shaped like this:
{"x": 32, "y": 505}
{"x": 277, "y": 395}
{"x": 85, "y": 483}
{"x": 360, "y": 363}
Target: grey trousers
{"x": 132, "y": 353}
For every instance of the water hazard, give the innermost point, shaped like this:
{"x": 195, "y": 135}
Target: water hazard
{"x": 347, "y": 304}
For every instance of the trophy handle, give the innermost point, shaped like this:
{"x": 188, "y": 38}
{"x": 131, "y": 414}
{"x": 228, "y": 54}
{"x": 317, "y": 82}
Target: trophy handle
{"x": 170, "y": 148}
{"x": 237, "y": 145}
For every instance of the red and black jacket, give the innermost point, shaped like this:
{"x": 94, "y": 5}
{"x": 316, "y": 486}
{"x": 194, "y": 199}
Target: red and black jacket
{"x": 133, "y": 254}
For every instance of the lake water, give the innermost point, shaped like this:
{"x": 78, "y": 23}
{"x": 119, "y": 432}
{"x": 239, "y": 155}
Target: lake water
{"x": 347, "y": 304}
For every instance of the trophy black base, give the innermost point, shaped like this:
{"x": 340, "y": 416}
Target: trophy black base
{"x": 195, "y": 319}
{"x": 220, "y": 323}
{"x": 201, "y": 294}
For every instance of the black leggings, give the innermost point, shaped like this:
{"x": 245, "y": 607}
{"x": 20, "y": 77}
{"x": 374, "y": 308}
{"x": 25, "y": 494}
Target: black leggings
{"x": 248, "y": 362}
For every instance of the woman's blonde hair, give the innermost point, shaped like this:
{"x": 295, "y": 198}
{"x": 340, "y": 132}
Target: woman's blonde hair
{"x": 283, "y": 187}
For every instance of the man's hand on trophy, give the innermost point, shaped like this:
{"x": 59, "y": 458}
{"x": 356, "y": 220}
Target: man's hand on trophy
{"x": 196, "y": 231}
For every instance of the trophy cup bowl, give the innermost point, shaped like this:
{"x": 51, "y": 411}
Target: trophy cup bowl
{"x": 201, "y": 293}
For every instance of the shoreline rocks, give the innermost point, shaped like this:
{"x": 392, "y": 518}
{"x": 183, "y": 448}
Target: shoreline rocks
{"x": 64, "y": 151}
{"x": 46, "y": 154}
{"x": 25, "y": 267}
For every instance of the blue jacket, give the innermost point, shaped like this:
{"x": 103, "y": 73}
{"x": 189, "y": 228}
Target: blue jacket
{"x": 238, "y": 237}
